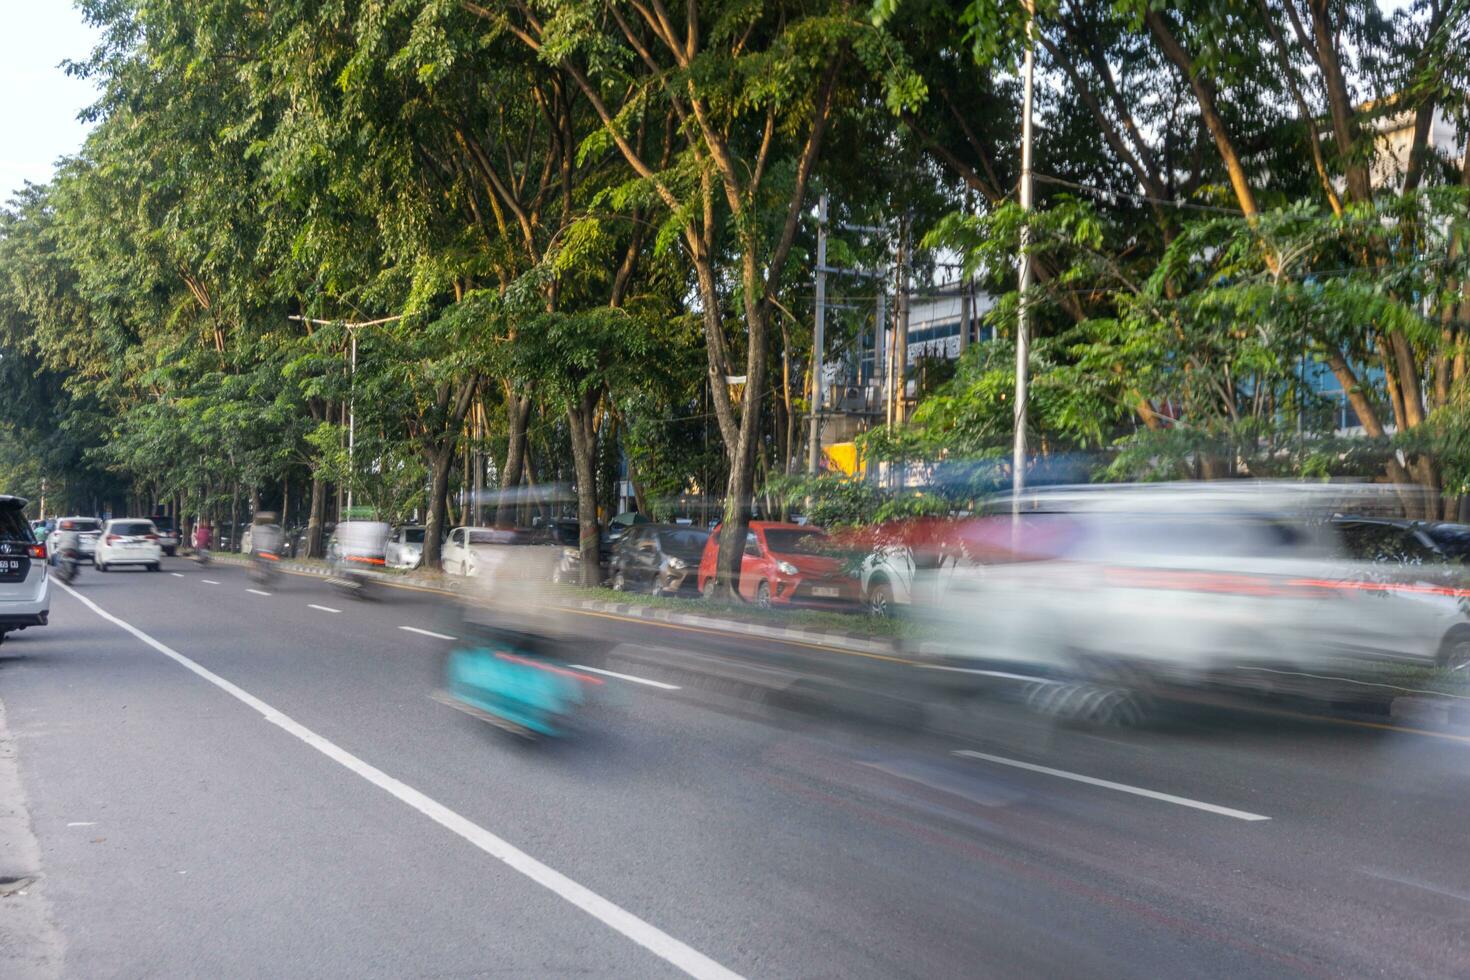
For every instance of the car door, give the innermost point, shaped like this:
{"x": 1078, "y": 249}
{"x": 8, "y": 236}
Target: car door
{"x": 752, "y": 566}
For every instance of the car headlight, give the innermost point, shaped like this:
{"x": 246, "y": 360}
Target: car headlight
{"x": 677, "y": 563}
{"x": 786, "y": 568}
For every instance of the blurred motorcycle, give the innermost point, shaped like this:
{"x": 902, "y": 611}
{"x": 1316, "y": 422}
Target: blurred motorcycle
{"x": 357, "y": 554}
{"x": 68, "y": 565}
{"x": 518, "y": 681}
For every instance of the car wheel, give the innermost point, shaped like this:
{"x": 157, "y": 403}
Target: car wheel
{"x": 763, "y": 595}
{"x": 880, "y": 600}
{"x": 1456, "y": 652}
{"x": 619, "y": 583}
{"x": 153, "y": 567}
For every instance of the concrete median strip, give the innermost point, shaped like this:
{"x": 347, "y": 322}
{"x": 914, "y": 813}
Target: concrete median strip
{"x": 650, "y": 937}
{"x": 1223, "y": 811}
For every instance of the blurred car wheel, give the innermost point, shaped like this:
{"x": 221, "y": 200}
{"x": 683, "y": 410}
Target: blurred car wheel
{"x": 619, "y": 583}
{"x": 880, "y": 600}
{"x": 1456, "y": 652}
{"x": 763, "y": 595}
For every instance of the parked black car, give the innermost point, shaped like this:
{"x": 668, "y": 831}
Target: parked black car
{"x": 658, "y": 558}
{"x": 1397, "y": 541}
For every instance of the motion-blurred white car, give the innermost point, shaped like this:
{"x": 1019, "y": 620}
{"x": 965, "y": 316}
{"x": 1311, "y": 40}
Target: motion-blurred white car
{"x": 128, "y": 541}
{"x": 1200, "y": 585}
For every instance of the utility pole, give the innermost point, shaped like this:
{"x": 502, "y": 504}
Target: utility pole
{"x": 901, "y": 344}
{"x": 352, "y": 420}
{"x": 814, "y": 446}
{"x": 1023, "y": 340}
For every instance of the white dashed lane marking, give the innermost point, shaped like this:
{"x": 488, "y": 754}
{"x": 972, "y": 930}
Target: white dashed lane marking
{"x": 437, "y": 636}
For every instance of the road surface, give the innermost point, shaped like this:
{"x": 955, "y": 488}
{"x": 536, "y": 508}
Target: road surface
{"x": 218, "y": 779}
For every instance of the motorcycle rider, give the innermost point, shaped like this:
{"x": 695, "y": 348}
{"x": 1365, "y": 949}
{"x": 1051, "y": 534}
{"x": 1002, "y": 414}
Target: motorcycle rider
{"x": 68, "y": 550}
{"x": 202, "y": 537}
{"x": 266, "y": 537}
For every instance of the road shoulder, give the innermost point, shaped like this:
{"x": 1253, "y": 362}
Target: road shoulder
{"x": 30, "y": 943}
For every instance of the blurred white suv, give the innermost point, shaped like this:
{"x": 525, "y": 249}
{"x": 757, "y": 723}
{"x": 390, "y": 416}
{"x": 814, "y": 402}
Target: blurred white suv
{"x": 1237, "y": 586}
{"x": 25, "y": 586}
{"x": 129, "y": 541}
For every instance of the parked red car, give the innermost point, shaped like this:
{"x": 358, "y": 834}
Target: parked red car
{"x": 787, "y": 564}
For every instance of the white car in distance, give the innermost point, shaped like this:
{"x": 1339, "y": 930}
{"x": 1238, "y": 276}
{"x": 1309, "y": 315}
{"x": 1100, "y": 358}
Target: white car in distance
{"x": 88, "y": 529}
{"x": 405, "y": 548}
{"x": 469, "y": 549}
{"x": 128, "y": 541}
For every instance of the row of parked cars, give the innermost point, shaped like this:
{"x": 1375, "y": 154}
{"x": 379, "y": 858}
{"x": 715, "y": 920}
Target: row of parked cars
{"x": 781, "y": 564}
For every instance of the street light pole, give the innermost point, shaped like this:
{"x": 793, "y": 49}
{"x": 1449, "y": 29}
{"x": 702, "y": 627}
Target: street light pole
{"x": 814, "y": 446}
{"x": 351, "y": 420}
{"x": 1023, "y": 340}
{"x": 352, "y": 329}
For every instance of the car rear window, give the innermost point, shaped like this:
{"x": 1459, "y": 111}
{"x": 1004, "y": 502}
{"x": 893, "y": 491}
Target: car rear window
{"x": 683, "y": 542}
{"x": 14, "y": 527}
{"x": 413, "y": 535}
{"x": 132, "y": 527}
{"x": 86, "y": 524}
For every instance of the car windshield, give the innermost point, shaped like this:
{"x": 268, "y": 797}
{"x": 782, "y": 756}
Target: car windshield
{"x": 1454, "y": 542}
{"x": 413, "y": 535}
{"x": 683, "y": 542}
{"x": 86, "y": 524}
{"x": 489, "y": 536}
{"x": 786, "y": 541}
{"x": 132, "y": 527}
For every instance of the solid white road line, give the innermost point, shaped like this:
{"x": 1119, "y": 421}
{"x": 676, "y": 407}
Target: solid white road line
{"x": 627, "y": 677}
{"x": 257, "y": 592}
{"x": 209, "y": 581}
{"x": 650, "y": 937}
{"x": 1223, "y": 811}
{"x": 437, "y": 636}
{"x": 323, "y": 608}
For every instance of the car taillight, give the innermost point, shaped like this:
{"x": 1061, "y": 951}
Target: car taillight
{"x": 38, "y": 551}
{"x": 1223, "y": 583}
{"x": 113, "y": 539}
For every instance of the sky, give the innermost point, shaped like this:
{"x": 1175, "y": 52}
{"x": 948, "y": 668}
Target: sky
{"x": 38, "y": 101}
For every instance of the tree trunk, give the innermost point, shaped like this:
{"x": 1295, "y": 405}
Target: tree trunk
{"x": 581, "y": 417}
{"x": 441, "y": 464}
{"x": 517, "y": 417}
{"x": 316, "y": 517}
{"x": 740, "y": 487}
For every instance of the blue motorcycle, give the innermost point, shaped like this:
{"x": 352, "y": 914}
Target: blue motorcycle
{"x": 515, "y": 680}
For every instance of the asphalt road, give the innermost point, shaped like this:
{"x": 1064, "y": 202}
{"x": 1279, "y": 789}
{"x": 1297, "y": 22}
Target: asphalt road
{"x": 226, "y": 783}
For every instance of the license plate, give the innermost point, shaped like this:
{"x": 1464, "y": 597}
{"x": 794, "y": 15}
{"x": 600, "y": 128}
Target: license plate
{"x": 12, "y": 569}
{"x": 826, "y": 592}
